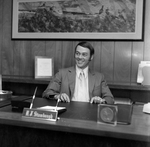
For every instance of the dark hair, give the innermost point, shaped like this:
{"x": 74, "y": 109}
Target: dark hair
{"x": 86, "y": 45}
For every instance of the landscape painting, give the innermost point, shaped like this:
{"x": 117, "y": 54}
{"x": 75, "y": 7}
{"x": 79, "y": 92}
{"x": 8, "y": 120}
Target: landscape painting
{"x": 78, "y": 19}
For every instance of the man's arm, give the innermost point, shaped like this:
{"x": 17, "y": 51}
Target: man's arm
{"x": 53, "y": 90}
{"x": 54, "y": 87}
{"x": 106, "y": 93}
{"x": 101, "y": 92}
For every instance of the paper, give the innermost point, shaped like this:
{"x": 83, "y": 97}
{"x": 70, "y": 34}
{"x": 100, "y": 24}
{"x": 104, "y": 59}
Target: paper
{"x": 140, "y": 76}
{"x": 146, "y": 108}
{"x": 44, "y": 67}
{"x": 51, "y": 108}
{"x": 146, "y": 75}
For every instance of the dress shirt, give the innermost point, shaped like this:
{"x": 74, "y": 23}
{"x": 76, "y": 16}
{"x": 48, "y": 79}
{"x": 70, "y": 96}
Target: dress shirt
{"x": 85, "y": 91}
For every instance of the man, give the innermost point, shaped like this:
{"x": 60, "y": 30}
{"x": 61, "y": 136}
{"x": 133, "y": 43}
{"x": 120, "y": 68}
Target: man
{"x": 79, "y": 83}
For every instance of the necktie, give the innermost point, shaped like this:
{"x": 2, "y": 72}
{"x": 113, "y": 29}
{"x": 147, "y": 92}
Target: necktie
{"x": 82, "y": 93}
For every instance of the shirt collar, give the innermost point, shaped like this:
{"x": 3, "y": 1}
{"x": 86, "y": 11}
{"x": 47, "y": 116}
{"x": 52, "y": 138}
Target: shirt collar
{"x": 79, "y": 70}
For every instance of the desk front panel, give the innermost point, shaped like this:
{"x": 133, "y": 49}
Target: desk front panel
{"x": 81, "y": 118}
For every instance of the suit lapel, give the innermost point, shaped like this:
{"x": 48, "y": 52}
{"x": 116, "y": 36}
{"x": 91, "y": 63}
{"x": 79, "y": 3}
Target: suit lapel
{"x": 72, "y": 77}
{"x": 91, "y": 82}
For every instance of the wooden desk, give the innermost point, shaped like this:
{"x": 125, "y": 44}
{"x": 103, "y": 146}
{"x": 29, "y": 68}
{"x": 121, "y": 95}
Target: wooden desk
{"x": 80, "y": 119}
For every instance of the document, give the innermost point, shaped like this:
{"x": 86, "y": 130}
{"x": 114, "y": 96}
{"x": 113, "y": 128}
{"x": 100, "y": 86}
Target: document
{"x": 51, "y": 108}
{"x": 146, "y": 108}
{"x": 146, "y": 75}
{"x": 143, "y": 73}
{"x": 44, "y": 67}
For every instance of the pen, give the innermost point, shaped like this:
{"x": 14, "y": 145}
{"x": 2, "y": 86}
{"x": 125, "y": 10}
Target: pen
{"x": 33, "y": 98}
{"x": 58, "y": 100}
{"x": 57, "y": 104}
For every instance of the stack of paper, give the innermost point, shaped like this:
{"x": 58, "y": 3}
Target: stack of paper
{"x": 52, "y": 108}
{"x": 146, "y": 108}
{"x": 143, "y": 76}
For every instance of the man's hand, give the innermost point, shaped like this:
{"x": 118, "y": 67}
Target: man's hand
{"x": 97, "y": 100}
{"x": 63, "y": 97}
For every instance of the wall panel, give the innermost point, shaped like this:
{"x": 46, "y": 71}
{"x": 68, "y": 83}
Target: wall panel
{"x": 7, "y": 48}
{"x": 58, "y": 56}
{"x": 147, "y": 32}
{"x": 96, "y": 63}
{"x": 74, "y": 43}
{"x": 50, "y": 47}
{"x": 107, "y": 64}
{"x": 38, "y": 49}
{"x": 17, "y": 46}
{"x": 1, "y": 33}
{"x": 25, "y": 59}
{"x": 122, "y": 62}
{"x": 117, "y": 60}
{"x": 67, "y": 54}
{"x": 137, "y": 57}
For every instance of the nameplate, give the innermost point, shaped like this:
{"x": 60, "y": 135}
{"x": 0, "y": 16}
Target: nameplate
{"x": 50, "y": 115}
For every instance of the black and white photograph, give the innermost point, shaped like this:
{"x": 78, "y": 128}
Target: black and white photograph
{"x": 74, "y": 73}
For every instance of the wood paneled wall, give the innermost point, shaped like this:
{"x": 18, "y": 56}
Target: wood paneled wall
{"x": 117, "y": 60}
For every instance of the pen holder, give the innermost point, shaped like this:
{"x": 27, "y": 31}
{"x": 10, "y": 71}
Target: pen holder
{"x": 107, "y": 114}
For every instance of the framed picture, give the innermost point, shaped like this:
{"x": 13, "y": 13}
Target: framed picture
{"x": 82, "y": 19}
{"x": 43, "y": 67}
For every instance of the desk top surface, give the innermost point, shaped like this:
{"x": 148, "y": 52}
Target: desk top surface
{"x": 81, "y": 118}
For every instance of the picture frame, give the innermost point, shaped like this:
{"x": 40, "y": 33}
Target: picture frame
{"x": 44, "y": 67}
{"x": 86, "y": 19}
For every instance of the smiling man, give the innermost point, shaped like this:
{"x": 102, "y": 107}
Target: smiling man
{"x": 80, "y": 83}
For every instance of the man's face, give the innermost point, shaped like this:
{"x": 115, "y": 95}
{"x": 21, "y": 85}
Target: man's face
{"x": 82, "y": 57}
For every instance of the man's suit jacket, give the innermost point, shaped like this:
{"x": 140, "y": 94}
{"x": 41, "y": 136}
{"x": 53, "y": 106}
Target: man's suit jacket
{"x": 64, "y": 82}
